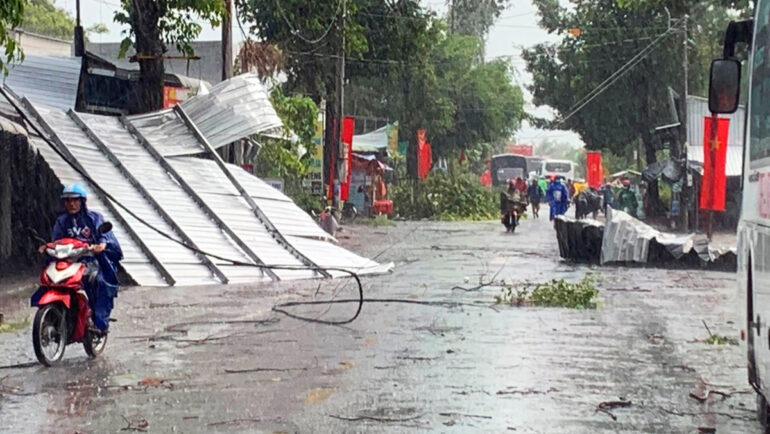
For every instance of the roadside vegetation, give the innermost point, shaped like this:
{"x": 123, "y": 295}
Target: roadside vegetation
{"x": 554, "y": 293}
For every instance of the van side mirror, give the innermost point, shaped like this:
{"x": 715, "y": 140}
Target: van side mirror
{"x": 104, "y": 228}
{"x": 724, "y": 86}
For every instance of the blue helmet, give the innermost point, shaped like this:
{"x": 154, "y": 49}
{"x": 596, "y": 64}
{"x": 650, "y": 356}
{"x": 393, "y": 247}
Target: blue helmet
{"x": 73, "y": 191}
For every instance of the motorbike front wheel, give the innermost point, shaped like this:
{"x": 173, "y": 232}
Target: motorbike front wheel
{"x": 93, "y": 344}
{"x": 49, "y": 334}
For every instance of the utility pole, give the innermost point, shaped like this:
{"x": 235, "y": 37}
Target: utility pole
{"x": 80, "y": 43}
{"x": 338, "y": 158}
{"x": 684, "y": 196}
{"x": 228, "y": 152}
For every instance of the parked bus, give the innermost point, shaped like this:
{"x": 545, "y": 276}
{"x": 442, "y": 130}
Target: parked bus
{"x": 754, "y": 224}
{"x": 563, "y": 168}
{"x": 535, "y": 164}
{"x": 508, "y": 166}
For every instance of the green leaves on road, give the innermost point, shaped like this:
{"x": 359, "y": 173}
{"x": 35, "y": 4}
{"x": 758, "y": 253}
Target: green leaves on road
{"x": 554, "y": 293}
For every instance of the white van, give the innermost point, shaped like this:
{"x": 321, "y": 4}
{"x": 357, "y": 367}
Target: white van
{"x": 565, "y": 168}
{"x": 754, "y": 225}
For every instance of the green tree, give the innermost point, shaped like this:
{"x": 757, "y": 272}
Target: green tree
{"x": 284, "y": 158}
{"x": 608, "y": 37}
{"x": 11, "y": 16}
{"x": 155, "y": 24}
{"x": 44, "y": 18}
{"x": 474, "y": 17}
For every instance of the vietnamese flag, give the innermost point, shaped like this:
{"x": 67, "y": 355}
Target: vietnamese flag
{"x": 348, "y": 126}
{"x": 594, "y": 169}
{"x": 713, "y": 184}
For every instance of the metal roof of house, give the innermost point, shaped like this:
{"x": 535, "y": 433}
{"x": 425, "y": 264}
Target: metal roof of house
{"x": 52, "y": 81}
{"x": 191, "y": 199}
{"x": 697, "y": 110}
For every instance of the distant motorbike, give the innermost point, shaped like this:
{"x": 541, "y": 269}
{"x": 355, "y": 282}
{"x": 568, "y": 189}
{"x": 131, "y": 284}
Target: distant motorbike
{"x": 512, "y": 212}
{"x": 63, "y": 310}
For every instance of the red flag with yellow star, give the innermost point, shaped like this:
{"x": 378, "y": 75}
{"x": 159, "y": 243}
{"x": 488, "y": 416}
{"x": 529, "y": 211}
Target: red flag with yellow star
{"x": 713, "y": 184}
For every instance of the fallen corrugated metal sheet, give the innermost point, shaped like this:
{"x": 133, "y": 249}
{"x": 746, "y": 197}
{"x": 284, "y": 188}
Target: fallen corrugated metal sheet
{"x": 52, "y": 81}
{"x": 627, "y": 239}
{"x": 189, "y": 198}
{"x": 232, "y": 110}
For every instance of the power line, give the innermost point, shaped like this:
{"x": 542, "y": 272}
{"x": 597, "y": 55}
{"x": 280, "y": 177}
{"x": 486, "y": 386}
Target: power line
{"x": 609, "y": 81}
{"x": 297, "y": 33}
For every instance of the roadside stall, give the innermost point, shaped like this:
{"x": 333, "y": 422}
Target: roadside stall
{"x": 367, "y": 185}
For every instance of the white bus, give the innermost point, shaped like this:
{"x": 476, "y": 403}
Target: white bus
{"x": 754, "y": 225}
{"x": 565, "y": 168}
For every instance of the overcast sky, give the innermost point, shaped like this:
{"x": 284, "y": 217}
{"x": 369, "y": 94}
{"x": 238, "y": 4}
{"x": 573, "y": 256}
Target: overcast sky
{"x": 517, "y": 28}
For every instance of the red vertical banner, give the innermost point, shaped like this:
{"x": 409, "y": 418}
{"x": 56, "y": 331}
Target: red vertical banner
{"x": 348, "y": 127}
{"x": 594, "y": 168}
{"x": 714, "y": 183}
{"x": 424, "y": 155}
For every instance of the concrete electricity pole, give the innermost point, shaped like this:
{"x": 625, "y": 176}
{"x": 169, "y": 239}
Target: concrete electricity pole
{"x": 684, "y": 196}
{"x": 337, "y": 154}
{"x": 229, "y": 153}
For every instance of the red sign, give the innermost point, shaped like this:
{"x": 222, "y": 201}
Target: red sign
{"x": 173, "y": 95}
{"x": 525, "y": 150}
{"x": 348, "y": 125}
{"x": 714, "y": 182}
{"x": 594, "y": 168}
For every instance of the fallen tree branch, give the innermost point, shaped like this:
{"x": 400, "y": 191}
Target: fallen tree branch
{"x": 232, "y": 422}
{"x": 465, "y": 415}
{"x": 374, "y": 418}
{"x": 606, "y": 406}
{"x": 243, "y": 371}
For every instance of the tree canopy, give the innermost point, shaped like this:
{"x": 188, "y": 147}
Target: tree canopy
{"x": 11, "y": 16}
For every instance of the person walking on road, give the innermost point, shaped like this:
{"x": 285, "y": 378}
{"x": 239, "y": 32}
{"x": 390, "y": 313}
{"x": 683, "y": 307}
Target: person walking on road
{"x": 558, "y": 197}
{"x": 535, "y": 196}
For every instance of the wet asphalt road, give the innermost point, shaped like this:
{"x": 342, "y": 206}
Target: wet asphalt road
{"x": 217, "y": 359}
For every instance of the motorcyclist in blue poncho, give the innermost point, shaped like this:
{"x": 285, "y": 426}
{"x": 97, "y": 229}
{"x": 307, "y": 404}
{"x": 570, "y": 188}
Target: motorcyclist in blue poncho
{"x": 101, "y": 279}
{"x": 558, "y": 197}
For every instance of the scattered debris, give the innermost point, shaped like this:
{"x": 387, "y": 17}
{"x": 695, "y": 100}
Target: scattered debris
{"x": 654, "y": 338}
{"x": 606, "y": 406}
{"x": 138, "y": 425}
{"x": 706, "y": 430}
{"x": 375, "y": 418}
{"x": 155, "y": 382}
{"x": 478, "y": 416}
{"x": 716, "y": 339}
{"x": 554, "y": 293}
{"x": 9, "y": 327}
{"x": 243, "y": 371}
{"x": 528, "y": 391}
{"x": 233, "y": 422}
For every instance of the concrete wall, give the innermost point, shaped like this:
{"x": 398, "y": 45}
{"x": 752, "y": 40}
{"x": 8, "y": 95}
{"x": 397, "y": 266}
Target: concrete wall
{"x": 29, "y": 198}
{"x": 38, "y": 45}
{"x": 208, "y": 68}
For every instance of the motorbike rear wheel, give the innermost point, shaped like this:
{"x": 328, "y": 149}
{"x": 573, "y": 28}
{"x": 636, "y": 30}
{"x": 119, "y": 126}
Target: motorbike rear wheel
{"x": 49, "y": 328}
{"x": 93, "y": 344}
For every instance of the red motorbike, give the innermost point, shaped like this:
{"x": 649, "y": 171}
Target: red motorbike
{"x": 63, "y": 312}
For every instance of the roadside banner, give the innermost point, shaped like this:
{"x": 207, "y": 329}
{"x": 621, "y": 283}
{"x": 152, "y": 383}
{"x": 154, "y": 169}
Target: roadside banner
{"x": 392, "y": 132}
{"x": 316, "y": 169}
{"x": 424, "y": 155}
{"x": 346, "y": 149}
{"x": 713, "y": 185}
{"x": 594, "y": 168}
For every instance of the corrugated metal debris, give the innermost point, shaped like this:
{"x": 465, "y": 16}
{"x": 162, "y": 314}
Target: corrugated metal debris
{"x": 52, "y": 81}
{"x": 190, "y": 198}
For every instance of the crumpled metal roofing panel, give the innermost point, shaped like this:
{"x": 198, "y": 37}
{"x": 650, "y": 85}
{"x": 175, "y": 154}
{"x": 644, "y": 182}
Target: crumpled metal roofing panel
{"x": 52, "y": 81}
{"x": 234, "y": 109}
{"x": 109, "y": 177}
{"x": 235, "y": 212}
{"x": 171, "y": 197}
{"x": 279, "y": 208}
{"x": 627, "y": 239}
{"x": 326, "y": 254}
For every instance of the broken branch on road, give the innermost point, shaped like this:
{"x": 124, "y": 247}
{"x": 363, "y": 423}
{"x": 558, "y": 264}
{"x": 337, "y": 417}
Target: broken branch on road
{"x": 375, "y": 418}
{"x": 606, "y": 406}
